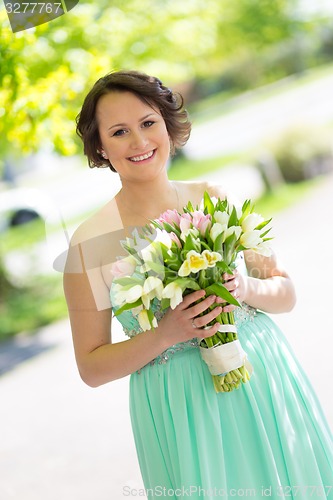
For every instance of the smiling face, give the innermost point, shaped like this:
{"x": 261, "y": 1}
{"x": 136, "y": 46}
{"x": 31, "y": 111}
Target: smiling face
{"x": 133, "y": 135}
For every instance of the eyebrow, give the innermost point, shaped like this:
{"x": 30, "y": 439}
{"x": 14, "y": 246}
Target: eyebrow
{"x": 124, "y": 124}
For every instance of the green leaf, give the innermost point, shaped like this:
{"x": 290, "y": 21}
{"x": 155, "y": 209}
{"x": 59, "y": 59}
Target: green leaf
{"x": 189, "y": 207}
{"x": 221, "y": 291}
{"x": 129, "y": 280}
{"x": 127, "y": 307}
{"x": 217, "y": 246}
{"x": 266, "y": 232}
{"x": 165, "y": 303}
{"x": 263, "y": 224}
{"x": 170, "y": 228}
{"x": 247, "y": 209}
{"x": 187, "y": 283}
{"x": 233, "y": 219}
{"x": 192, "y": 243}
{"x": 151, "y": 316}
{"x": 224, "y": 267}
{"x": 155, "y": 266}
{"x": 208, "y": 204}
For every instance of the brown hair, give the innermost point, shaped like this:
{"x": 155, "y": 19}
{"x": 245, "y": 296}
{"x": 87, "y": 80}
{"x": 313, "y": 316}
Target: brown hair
{"x": 147, "y": 88}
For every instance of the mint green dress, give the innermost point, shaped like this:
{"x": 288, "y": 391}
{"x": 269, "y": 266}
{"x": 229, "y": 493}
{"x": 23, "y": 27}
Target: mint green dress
{"x": 269, "y": 438}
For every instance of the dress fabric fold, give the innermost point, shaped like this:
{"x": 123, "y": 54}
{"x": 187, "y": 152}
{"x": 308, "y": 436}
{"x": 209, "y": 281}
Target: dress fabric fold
{"x": 267, "y": 438}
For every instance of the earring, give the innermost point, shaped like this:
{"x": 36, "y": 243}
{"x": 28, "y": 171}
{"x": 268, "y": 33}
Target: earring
{"x": 103, "y": 153}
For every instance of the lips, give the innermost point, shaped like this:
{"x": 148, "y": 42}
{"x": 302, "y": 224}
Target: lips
{"x": 145, "y": 156}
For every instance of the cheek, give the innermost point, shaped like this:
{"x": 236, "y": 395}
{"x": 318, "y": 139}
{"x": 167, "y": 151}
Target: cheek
{"x": 115, "y": 150}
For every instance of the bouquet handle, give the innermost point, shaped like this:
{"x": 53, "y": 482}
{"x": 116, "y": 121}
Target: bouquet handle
{"x": 224, "y": 358}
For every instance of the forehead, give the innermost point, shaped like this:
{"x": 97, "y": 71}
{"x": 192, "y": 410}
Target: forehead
{"x": 121, "y": 107}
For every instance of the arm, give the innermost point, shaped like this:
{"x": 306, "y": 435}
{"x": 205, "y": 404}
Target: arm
{"x": 267, "y": 286}
{"x": 98, "y": 360}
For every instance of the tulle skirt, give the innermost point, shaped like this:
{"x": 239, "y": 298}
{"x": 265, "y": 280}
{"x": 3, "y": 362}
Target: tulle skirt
{"x": 268, "y": 438}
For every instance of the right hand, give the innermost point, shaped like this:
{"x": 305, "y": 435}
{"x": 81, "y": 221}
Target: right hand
{"x": 183, "y": 323}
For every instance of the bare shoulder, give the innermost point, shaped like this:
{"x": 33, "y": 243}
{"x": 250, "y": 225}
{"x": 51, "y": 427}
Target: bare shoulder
{"x": 194, "y": 191}
{"x": 102, "y": 222}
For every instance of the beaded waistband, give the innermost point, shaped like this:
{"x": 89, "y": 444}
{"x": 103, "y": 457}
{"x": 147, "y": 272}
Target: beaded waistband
{"x": 242, "y": 315}
{"x": 164, "y": 357}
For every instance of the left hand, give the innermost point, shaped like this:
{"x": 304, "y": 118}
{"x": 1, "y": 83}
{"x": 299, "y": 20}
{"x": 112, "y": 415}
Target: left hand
{"x": 236, "y": 284}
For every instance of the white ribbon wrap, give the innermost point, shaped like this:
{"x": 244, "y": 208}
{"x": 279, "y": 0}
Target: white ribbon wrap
{"x": 227, "y": 328}
{"x": 224, "y": 358}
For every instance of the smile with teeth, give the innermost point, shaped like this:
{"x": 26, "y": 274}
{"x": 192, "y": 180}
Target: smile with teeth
{"x": 146, "y": 156}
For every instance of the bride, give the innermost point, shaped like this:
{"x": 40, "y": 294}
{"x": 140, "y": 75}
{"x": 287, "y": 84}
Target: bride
{"x": 268, "y": 434}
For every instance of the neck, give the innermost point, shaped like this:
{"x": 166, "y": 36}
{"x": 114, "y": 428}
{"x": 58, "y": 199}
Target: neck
{"x": 147, "y": 200}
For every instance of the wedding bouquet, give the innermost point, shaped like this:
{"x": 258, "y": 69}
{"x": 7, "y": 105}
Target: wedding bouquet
{"x": 182, "y": 252}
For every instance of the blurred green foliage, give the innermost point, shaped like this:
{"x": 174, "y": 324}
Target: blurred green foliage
{"x": 304, "y": 151}
{"x": 26, "y": 310}
{"x": 46, "y": 71}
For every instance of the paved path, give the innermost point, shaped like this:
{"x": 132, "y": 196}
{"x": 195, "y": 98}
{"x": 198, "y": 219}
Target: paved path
{"x": 243, "y": 128}
{"x": 61, "y": 440}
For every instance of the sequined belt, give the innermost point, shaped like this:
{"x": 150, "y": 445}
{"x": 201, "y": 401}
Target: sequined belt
{"x": 164, "y": 357}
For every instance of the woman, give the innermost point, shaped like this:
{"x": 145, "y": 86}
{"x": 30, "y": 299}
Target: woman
{"x": 269, "y": 437}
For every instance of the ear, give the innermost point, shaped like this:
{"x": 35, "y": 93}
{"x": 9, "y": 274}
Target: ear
{"x": 103, "y": 153}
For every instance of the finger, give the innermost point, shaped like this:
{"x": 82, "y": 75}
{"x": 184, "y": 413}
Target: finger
{"x": 219, "y": 300}
{"x": 202, "y": 321}
{"x": 232, "y": 284}
{"x": 228, "y": 308}
{"x": 227, "y": 277}
{"x": 191, "y": 298}
{"x": 207, "y": 332}
{"x": 201, "y": 306}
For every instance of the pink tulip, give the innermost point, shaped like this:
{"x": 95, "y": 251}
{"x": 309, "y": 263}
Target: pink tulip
{"x": 123, "y": 267}
{"x": 170, "y": 217}
{"x": 201, "y": 221}
{"x": 175, "y": 239}
{"x": 185, "y": 222}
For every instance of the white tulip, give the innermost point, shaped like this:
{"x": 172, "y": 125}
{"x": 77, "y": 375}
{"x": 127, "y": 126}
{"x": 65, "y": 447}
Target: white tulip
{"x": 133, "y": 294}
{"x": 173, "y": 292}
{"x": 237, "y": 230}
{"x": 250, "y": 239}
{"x": 217, "y": 229}
{"x": 120, "y": 293}
{"x": 147, "y": 253}
{"x": 153, "y": 286}
{"x": 221, "y": 217}
{"x": 211, "y": 257}
{"x": 144, "y": 320}
{"x": 126, "y": 294}
{"x": 264, "y": 249}
{"x": 191, "y": 231}
{"x": 251, "y": 221}
{"x": 163, "y": 237}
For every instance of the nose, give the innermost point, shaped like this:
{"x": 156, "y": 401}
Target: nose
{"x": 139, "y": 140}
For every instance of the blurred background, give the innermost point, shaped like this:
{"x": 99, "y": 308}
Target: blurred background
{"x": 257, "y": 78}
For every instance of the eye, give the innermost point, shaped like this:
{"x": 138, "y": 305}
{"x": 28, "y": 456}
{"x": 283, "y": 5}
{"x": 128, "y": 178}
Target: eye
{"x": 119, "y": 133}
{"x": 148, "y": 123}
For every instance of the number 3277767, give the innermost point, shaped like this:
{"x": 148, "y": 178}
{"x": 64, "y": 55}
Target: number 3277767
{"x": 33, "y": 8}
